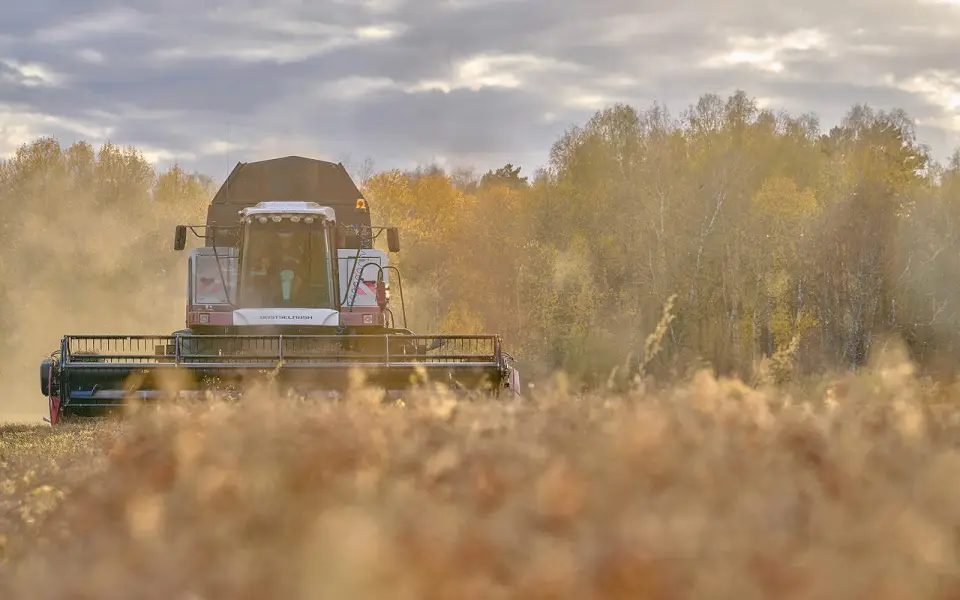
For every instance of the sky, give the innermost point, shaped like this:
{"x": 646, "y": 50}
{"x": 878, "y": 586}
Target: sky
{"x": 452, "y": 82}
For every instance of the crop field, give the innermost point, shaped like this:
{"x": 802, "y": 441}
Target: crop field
{"x": 706, "y": 489}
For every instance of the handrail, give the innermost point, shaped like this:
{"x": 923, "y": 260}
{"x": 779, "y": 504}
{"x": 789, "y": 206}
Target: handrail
{"x": 117, "y": 351}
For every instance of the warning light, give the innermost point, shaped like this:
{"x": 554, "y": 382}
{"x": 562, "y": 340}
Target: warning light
{"x": 361, "y": 204}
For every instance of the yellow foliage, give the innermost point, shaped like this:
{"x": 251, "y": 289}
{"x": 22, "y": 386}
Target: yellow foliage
{"x": 777, "y": 283}
{"x": 779, "y": 199}
{"x": 781, "y": 324}
{"x": 440, "y": 202}
{"x": 806, "y": 321}
{"x": 393, "y": 200}
{"x": 424, "y": 207}
{"x": 504, "y": 202}
{"x": 462, "y": 319}
{"x": 785, "y": 323}
{"x": 572, "y": 263}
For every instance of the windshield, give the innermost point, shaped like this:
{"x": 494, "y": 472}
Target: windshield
{"x": 286, "y": 265}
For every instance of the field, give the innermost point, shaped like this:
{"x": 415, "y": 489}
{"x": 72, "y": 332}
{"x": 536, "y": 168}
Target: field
{"x": 706, "y": 489}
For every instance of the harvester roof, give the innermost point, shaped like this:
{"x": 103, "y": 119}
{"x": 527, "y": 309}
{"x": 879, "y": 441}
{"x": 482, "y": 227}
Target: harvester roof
{"x": 286, "y": 179}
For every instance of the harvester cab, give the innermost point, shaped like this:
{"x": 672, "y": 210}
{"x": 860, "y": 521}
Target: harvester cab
{"x": 287, "y": 284}
{"x": 289, "y": 272}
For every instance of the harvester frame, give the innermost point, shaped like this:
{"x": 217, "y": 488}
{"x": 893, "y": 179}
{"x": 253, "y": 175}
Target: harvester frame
{"x": 313, "y": 338}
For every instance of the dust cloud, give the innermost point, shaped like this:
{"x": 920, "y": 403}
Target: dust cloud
{"x": 87, "y": 249}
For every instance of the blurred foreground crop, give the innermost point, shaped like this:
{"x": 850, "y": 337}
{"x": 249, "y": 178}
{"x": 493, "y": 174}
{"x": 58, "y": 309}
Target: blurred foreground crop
{"x": 708, "y": 489}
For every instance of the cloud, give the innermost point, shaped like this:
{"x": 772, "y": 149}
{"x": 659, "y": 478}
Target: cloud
{"x": 91, "y": 26}
{"x": 270, "y": 35}
{"x": 495, "y": 70}
{"x": 768, "y": 53}
{"x": 28, "y": 74}
{"x": 457, "y": 81}
{"x": 19, "y": 124}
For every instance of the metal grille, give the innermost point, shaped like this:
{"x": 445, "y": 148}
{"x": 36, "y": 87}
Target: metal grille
{"x": 268, "y": 350}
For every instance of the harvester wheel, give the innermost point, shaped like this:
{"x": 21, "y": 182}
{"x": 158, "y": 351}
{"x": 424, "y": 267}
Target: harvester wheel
{"x": 56, "y": 415}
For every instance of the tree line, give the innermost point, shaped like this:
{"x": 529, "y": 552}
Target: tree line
{"x": 764, "y": 231}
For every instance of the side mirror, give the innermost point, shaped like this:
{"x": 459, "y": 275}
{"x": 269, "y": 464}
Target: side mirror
{"x": 393, "y": 239}
{"x": 180, "y": 238}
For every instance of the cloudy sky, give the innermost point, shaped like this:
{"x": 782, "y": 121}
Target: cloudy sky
{"x": 479, "y": 82}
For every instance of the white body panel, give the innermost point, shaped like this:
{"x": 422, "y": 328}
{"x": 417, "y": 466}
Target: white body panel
{"x": 350, "y": 267}
{"x": 286, "y": 316}
{"x": 206, "y": 286}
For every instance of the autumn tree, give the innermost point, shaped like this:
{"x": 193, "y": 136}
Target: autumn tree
{"x": 507, "y": 175}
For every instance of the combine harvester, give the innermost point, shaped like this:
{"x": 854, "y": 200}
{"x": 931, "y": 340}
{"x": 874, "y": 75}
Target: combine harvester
{"x": 287, "y": 285}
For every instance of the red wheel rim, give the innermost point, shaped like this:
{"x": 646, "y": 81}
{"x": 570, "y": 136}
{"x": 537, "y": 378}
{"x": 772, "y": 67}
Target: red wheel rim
{"x": 54, "y": 400}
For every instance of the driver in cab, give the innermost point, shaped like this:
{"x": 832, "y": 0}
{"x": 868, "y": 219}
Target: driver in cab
{"x": 290, "y": 264}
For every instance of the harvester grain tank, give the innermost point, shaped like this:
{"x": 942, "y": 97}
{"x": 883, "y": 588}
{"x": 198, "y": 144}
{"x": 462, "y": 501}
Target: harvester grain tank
{"x": 287, "y": 283}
